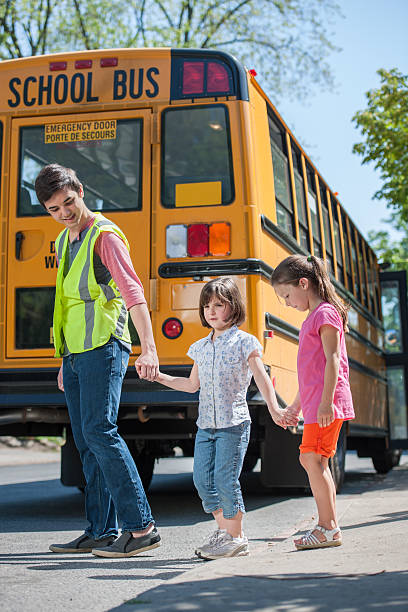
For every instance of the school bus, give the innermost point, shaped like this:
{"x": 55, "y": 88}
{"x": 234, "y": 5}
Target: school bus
{"x": 184, "y": 151}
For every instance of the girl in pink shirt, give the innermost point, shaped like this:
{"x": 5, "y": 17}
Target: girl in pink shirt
{"x": 324, "y": 394}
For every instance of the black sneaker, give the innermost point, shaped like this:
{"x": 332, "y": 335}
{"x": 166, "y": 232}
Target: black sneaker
{"x": 83, "y": 544}
{"x": 128, "y": 546}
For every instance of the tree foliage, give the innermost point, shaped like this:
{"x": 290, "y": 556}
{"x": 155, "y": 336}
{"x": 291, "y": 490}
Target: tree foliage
{"x": 287, "y": 41}
{"x": 384, "y": 126}
{"x": 389, "y": 250}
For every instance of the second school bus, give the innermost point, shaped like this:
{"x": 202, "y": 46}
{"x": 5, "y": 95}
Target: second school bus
{"x": 186, "y": 154}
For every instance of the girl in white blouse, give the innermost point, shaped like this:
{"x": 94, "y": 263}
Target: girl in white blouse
{"x": 224, "y": 362}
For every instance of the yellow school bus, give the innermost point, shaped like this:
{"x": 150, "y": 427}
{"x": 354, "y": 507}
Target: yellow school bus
{"x": 184, "y": 151}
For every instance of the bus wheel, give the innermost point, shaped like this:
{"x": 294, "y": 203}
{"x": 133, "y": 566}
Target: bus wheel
{"x": 250, "y": 462}
{"x": 144, "y": 462}
{"x": 385, "y": 460}
{"x": 337, "y": 462}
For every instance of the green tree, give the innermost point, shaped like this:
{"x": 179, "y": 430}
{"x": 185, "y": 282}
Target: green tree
{"x": 388, "y": 250}
{"x": 286, "y": 41}
{"x": 384, "y": 126}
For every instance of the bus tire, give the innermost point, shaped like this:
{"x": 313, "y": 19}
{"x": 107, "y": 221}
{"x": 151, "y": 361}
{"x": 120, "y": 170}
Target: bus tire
{"x": 337, "y": 463}
{"x": 144, "y": 462}
{"x": 250, "y": 462}
{"x": 385, "y": 460}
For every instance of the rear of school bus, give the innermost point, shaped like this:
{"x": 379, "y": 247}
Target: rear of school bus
{"x": 161, "y": 142}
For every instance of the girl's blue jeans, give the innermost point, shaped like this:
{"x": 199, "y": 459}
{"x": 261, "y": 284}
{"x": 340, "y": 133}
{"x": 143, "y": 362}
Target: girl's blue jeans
{"x": 218, "y": 458}
{"x": 93, "y": 384}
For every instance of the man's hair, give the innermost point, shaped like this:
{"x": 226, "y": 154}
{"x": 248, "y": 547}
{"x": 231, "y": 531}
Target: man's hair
{"x": 226, "y": 290}
{"x": 53, "y": 178}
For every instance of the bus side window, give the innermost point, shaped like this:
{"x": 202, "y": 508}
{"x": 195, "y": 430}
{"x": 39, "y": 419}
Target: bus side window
{"x": 300, "y": 198}
{"x": 337, "y": 240}
{"x": 284, "y": 205}
{"x": 347, "y": 254}
{"x": 1, "y": 151}
{"x": 361, "y": 256}
{"x": 370, "y": 274}
{"x": 326, "y": 227}
{"x": 354, "y": 257}
{"x": 314, "y": 212}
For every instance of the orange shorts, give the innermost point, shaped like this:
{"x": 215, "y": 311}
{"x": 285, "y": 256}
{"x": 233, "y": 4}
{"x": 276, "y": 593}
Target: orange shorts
{"x": 321, "y": 440}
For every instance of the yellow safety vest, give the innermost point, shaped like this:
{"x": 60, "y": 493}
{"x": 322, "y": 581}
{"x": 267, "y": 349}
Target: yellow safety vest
{"x": 86, "y": 313}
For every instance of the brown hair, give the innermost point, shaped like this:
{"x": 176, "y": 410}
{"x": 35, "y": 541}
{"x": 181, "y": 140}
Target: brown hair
{"x": 295, "y": 267}
{"x": 53, "y": 178}
{"x": 226, "y": 290}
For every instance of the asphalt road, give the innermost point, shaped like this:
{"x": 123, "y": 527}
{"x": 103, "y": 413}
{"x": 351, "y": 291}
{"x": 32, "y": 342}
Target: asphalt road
{"x": 36, "y": 510}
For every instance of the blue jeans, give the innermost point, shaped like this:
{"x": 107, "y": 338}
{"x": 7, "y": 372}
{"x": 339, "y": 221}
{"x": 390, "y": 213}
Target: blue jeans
{"x": 93, "y": 384}
{"x": 218, "y": 458}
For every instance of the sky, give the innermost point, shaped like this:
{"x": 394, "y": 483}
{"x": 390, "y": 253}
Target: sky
{"x": 373, "y": 34}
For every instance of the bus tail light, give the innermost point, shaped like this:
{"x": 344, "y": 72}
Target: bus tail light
{"x": 217, "y": 78}
{"x": 176, "y": 241}
{"x": 193, "y": 78}
{"x": 220, "y": 239}
{"x": 172, "y": 328}
{"x": 197, "y": 240}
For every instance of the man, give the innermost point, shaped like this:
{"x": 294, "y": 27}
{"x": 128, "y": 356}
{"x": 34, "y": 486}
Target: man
{"x": 96, "y": 288}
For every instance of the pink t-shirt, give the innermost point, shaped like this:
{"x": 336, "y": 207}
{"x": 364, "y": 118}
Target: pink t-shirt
{"x": 311, "y": 363}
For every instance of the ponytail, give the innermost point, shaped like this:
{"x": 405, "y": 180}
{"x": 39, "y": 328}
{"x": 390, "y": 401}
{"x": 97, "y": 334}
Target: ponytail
{"x": 295, "y": 267}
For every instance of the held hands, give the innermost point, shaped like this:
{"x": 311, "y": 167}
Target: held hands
{"x": 279, "y": 417}
{"x": 291, "y": 416}
{"x": 325, "y": 415}
{"x": 147, "y": 365}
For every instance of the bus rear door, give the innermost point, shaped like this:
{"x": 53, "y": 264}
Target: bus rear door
{"x": 110, "y": 151}
{"x": 395, "y": 317}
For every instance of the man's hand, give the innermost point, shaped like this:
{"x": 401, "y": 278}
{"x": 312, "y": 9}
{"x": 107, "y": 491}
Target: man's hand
{"x": 147, "y": 365}
{"x": 325, "y": 415}
{"x": 60, "y": 380}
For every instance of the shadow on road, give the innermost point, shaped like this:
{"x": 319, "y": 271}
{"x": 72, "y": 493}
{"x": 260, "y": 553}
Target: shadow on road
{"x": 315, "y": 592}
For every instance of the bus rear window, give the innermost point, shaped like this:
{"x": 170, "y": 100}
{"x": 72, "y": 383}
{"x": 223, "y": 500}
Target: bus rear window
{"x": 196, "y": 157}
{"x": 110, "y": 170}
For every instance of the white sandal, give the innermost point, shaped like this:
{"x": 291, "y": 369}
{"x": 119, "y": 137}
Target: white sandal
{"x": 309, "y": 540}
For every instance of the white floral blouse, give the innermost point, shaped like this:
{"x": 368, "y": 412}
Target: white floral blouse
{"x": 224, "y": 376}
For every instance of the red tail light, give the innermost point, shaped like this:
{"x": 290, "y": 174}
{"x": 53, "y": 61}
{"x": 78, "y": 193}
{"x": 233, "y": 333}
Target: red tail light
{"x": 217, "y": 78}
{"x": 197, "y": 240}
{"x": 193, "y": 78}
{"x": 172, "y": 328}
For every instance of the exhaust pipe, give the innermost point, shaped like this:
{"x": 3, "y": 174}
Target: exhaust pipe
{"x": 34, "y": 414}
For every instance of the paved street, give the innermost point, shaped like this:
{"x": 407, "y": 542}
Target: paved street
{"x": 35, "y": 510}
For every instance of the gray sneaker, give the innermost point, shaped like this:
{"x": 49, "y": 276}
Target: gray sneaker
{"x": 209, "y": 541}
{"x": 128, "y": 546}
{"x": 226, "y": 546}
{"x": 82, "y": 544}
